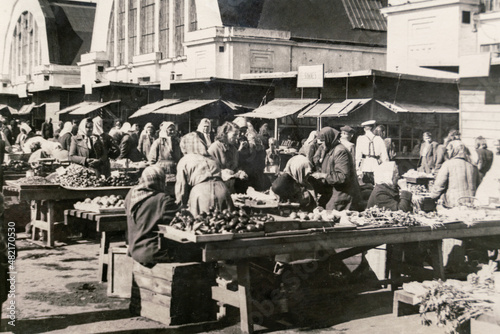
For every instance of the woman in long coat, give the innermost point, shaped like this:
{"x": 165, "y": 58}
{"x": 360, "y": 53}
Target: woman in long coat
{"x": 338, "y": 188}
{"x": 165, "y": 150}
{"x": 146, "y": 139}
{"x": 428, "y": 154}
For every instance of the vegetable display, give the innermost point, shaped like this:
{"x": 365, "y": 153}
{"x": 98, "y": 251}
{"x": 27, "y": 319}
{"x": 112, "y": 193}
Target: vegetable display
{"x": 112, "y": 201}
{"x": 216, "y": 221}
{"x": 34, "y": 180}
{"x": 17, "y": 166}
{"x": 77, "y": 176}
{"x": 377, "y": 217}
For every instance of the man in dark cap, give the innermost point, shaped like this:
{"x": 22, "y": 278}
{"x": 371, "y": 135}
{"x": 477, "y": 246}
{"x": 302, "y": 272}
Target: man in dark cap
{"x": 346, "y": 134}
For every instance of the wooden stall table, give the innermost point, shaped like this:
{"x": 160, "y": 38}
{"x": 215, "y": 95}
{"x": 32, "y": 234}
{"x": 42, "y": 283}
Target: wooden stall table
{"x": 105, "y": 224}
{"x": 49, "y": 194}
{"x": 243, "y": 250}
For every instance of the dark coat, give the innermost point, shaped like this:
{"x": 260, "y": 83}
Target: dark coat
{"x": 485, "y": 160}
{"x": 47, "y": 130}
{"x": 389, "y": 198}
{"x": 79, "y": 153}
{"x": 428, "y": 162}
{"x": 128, "y": 149}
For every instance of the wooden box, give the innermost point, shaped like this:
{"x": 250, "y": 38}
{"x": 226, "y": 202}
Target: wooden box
{"x": 174, "y": 293}
{"x": 119, "y": 273}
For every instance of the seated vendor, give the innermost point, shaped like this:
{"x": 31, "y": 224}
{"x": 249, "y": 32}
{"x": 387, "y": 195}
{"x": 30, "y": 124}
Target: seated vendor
{"x": 293, "y": 185}
{"x": 147, "y": 206}
{"x": 386, "y": 193}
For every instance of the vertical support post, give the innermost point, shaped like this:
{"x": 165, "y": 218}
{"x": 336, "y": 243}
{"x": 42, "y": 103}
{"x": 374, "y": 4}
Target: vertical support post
{"x": 245, "y": 297}
{"x": 50, "y": 223}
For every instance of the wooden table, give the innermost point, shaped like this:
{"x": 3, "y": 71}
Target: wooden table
{"x": 105, "y": 224}
{"x": 243, "y": 250}
{"x": 50, "y": 194}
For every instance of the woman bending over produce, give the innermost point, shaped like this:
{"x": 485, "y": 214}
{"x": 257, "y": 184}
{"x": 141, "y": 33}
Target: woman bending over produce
{"x": 147, "y": 205}
{"x": 293, "y": 185}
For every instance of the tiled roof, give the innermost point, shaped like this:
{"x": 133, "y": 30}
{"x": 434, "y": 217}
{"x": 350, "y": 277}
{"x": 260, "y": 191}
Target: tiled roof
{"x": 365, "y": 14}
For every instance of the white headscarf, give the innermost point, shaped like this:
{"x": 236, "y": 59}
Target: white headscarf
{"x": 125, "y": 127}
{"x": 25, "y": 127}
{"x": 163, "y": 129}
{"x": 98, "y": 127}
{"x": 312, "y": 137}
{"x": 68, "y": 126}
{"x": 204, "y": 122}
{"x": 385, "y": 172}
{"x": 81, "y": 127}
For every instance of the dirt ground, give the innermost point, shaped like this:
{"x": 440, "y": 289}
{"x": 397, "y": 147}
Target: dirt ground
{"x": 57, "y": 291}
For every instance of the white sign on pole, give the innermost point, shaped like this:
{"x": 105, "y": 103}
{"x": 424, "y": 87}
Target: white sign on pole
{"x": 310, "y": 76}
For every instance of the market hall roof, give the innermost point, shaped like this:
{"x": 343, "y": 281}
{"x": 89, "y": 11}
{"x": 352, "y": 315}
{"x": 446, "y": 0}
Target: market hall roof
{"x": 279, "y": 108}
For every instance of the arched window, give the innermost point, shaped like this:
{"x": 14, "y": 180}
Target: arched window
{"x": 25, "y": 47}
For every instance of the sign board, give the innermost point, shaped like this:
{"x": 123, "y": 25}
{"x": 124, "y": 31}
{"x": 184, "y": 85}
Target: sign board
{"x": 310, "y": 76}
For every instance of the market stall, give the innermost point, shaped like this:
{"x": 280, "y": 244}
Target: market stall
{"x": 243, "y": 249}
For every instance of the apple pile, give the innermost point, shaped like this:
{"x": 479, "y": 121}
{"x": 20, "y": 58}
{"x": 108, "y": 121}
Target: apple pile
{"x": 112, "y": 201}
{"x": 318, "y": 214}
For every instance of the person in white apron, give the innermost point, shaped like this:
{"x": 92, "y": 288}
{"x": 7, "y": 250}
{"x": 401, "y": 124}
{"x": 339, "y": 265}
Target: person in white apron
{"x": 370, "y": 152}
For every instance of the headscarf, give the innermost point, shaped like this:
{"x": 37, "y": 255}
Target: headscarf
{"x": 151, "y": 182}
{"x": 98, "y": 128}
{"x": 147, "y": 126}
{"x": 456, "y": 149}
{"x": 66, "y": 128}
{"x": 204, "y": 122}
{"x": 241, "y": 122}
{"x": 192, "y": 144}
{"x": 329, "y": 136}
{"x": 25, "y": 127}
{"x": 384, "y": 173}
{"x": 264, "y": 129}
{"x": 163, "y": 129}
{"x": 125, "y": 127}
{"x": 312, "y": 138}
{"x": 299, "y": 167}
{"x": 81, "y": 128}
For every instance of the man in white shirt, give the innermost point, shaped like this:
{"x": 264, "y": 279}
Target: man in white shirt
{"x": 370, "y": 152}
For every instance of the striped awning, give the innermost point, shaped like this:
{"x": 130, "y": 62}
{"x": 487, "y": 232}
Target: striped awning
{"x": 336, "y": 109}
{"x": 153, "y": 107}
{"x": 184, "y": 107}
{"x": 279, "y": 108}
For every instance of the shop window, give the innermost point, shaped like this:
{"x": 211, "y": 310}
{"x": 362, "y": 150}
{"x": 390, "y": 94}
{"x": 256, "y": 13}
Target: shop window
{"x": 111, "y": 38}
{"x": 221, "y": 49}
{"x": 121, "y": 32}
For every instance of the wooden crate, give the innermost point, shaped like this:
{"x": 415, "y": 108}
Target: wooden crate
{"x": 119, "y": 273}
{"x": 174, "y": 293}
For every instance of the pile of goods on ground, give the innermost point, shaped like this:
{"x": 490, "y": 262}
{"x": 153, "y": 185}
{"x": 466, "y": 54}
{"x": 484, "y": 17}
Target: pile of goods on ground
{"x": 453, "y": 302}
{"x": 33, "y": 180}
{"x": 17, "y": 166}
{"x": 215, "y": 221}
{"x": 77, "y": 176}
{"x": 101, "y": 202}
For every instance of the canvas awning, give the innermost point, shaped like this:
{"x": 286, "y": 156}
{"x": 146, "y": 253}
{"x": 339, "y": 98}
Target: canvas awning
{"x": 418, "y": 108}
{"x": 153, "y": 107}
{"x": 335, "y": 109}
{"x": 183, "y": 107}
{"x": 11, "y": 110}
{"x": 26, "y": 109}
{"x": 85, "y": 107}
{"x": 279, "y": 108}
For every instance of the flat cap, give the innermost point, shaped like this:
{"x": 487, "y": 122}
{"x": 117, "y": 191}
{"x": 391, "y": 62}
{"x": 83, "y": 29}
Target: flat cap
{"x": 368, "y": 123}
{"x": 347, "y": 128}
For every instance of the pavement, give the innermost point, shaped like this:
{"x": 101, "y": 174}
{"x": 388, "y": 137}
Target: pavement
{"x": 57, "y": 291}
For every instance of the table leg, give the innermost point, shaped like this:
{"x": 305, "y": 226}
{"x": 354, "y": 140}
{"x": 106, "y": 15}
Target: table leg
{"x": 437, "y": 259}
{"x": 35, "y": 214}
{"x": 244, "y": 296}
{"x": 50, "y": 221}
{"x": 103, "y": 258}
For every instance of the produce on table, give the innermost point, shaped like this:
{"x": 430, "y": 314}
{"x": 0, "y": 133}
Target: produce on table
{"x": 17, "y": 165}
{"x": 417, "y": 189}
{"x": 216, "y": 221}
{"x": 416, "y": 174}
{"x": 77, "y": 176}
{"x": 34, "y": 180}
{"x": 318, "y": 214}
{"x": 379, "y": 217}
{"x": 121, "y": 180}
{"x": 112, "y": 201}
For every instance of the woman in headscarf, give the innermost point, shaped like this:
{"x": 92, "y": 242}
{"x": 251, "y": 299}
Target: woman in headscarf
{"x": 224, "y": 151}
{"x": 386, "y": 193}
{"x": 199, "y": 185}
{"x": 87, "y": 149}
{"x": 199, "y": 140}
{"x": 165, "y": 151}
{"x": 128, "y": 143}
{"x": 65, "y": 135}
{"x": 338, "y": 188}
{"x": 146, "y": 139}
{"x": 293, "y": 184}
{"x": 24, "y": 135}
{"x": 147, "y": 206}
{"x": 457, "y": 177}
{"x": 310, "y": 146}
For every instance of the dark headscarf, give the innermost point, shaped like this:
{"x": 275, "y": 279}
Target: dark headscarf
{"x": 456, "y": 149}
{"x": 152, "y": 182}
{"x": 329, "y": 136}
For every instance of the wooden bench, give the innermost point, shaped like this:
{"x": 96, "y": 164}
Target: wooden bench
{"x": 404, "y": 303}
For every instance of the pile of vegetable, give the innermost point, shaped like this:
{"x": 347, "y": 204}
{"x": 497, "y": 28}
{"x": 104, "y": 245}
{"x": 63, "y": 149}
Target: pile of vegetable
{"x": 379, "y": 217}
{"x": 217, "y": 221}
{"x": 318, "y": 214}
{"x": 112, "y": 201}
{"x": 121, "y": 180}
{"x": 80, "y": 177}
{"x": 412, "y": 173}
{"x": 17, "y": 165}
{"x": 34, "y": 180}
{"x": 418, "y": 189}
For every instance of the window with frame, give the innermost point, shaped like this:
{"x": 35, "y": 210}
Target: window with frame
{"x": 164, "y": 28}
{"x": 179, "y": 28}
{"x": 111, "y": 38}
{"x": 121, "y": 32}
{"x": 132, "y": 29}
{"x": 147, "y": 26}
{"x": 193, "y": 23}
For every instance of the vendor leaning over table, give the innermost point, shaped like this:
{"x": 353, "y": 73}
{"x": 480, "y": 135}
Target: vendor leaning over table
{"x": 199, "y": 185}
{"x": 457, "y": 178}
{"x": 389, "y": 193}
{"x": 337, "y": 180}
{"x": 166, "y": 151}
{"x": 147, "y": 206}
{"x": 293, "y": 184}
{"x": 224, "y": 150}
{"x": 87, "y": 149}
